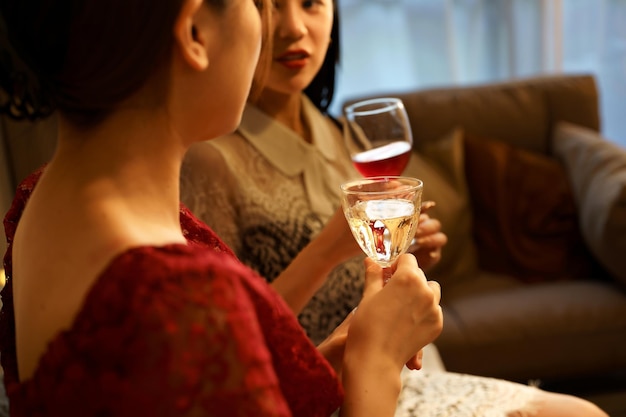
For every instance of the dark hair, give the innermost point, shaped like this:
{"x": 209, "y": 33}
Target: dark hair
{"x": 80, "y": 57}
{"x": 322, "y": 88}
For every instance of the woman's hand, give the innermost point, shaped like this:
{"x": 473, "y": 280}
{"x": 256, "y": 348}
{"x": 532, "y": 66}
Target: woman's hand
{"x": 392, "y": 323}
{"x": 403, "y": 316}
{"x": 415, "y": 363}
{"x": 429, "y": 240}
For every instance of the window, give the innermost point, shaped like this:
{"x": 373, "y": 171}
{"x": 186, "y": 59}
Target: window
{"x": 395, "y": 45}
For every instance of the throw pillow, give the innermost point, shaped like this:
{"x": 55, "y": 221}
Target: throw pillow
{"x": 597, "y": 170}
{"x": 525, "y": 220}
{"x": 440, "y": 166}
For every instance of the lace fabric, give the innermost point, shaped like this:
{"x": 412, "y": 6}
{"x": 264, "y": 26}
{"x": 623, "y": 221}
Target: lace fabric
{"x": 181, "y": 330}
{"x": 447, "y": 394}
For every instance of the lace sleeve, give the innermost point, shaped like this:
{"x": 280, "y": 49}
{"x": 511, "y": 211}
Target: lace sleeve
{"x": 213, "y": 357}
{"x": 179, "y": 341}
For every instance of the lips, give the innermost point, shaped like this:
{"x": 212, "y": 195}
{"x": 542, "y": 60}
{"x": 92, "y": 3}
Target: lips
{"x": 293, "y": 59}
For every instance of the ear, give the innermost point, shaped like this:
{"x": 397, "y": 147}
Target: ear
{"x": 188, "y": 37}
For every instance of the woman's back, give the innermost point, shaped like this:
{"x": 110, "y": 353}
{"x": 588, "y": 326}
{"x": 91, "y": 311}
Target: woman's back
{"x": 169, "y": 330}
{"x": 76, "y": 222}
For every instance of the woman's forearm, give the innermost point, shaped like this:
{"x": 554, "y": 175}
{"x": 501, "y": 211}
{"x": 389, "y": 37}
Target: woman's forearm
{"x": 371, "y": 388}
{"x": 309, "y": 270}
{"x": 306, "y": 274}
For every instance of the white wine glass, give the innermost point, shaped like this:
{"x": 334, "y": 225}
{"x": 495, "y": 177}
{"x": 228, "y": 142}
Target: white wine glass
{"x": 378, "y": 136}
{"x": 383, "y": 214}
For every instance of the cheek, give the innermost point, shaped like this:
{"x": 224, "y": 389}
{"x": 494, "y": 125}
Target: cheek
{"x": 328, "y": 23}
{"x": 322, "y": 34}
{"x": 257, "y": 28}
{"x": 255, "y": 42}
{"x": 244, "y": 50}
{"x": 322, "y": 42}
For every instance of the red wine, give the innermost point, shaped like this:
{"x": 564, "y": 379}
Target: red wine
{"x": 390, "y": 159}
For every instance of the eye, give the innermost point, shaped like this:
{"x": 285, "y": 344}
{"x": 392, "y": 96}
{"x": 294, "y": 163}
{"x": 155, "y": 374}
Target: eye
{"x": 307, "y": 4}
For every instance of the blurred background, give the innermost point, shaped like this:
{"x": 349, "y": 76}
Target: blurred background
{"x": 396, "y": 45}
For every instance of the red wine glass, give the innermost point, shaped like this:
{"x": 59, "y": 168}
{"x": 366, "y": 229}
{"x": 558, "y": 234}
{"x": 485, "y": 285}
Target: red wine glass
{"x": 378, "y": 136}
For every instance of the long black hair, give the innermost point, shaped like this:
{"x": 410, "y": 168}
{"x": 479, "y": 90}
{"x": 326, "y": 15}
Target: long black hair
{"x": 322, "y": 88}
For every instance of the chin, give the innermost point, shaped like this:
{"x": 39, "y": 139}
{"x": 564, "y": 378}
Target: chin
{"x": 234, "y": 125}
{"x": 289, "y": 85}
{"x": 213, "y": 130}
{"x": 227, "y": 119}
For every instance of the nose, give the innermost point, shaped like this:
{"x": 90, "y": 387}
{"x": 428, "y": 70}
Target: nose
{"x": 290, "y": 21}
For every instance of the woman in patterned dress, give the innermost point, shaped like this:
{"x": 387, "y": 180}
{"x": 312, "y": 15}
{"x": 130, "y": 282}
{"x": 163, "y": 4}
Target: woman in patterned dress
{"x": 278, "y": 195}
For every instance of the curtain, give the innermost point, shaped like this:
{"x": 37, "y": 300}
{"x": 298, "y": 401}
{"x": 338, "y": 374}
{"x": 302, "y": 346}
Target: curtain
{"x": 397, "y": 45}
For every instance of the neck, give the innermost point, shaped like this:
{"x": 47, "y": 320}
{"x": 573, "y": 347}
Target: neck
{"x": 131, "y": 159}
{"x": 286, "y": 109}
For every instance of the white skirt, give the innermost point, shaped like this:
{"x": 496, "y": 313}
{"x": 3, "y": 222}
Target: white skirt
{"x": 434, "y": 392}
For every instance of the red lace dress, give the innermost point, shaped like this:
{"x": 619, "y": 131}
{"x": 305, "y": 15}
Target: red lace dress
{"x": 178, "y": 330}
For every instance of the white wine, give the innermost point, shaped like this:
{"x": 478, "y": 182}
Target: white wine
{"x": 383, "y": 228}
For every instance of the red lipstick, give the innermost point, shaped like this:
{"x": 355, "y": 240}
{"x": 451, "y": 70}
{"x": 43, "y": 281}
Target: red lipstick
{"x": 293, "y": 59}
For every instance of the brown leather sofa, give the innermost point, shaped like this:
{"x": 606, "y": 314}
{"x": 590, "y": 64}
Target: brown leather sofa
{"x": 533, "y": 200}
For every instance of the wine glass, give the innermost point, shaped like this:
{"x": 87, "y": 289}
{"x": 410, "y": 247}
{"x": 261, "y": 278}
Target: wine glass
{"x": 378, "y": 136}
{"x": 383, "y": 213}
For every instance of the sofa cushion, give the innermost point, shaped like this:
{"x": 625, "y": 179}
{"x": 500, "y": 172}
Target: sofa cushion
{"x": 440, "y": 166}
{"x": 525, "y": 221}
{"x": 545, "y": 330}
{"x": 597, "y": 170}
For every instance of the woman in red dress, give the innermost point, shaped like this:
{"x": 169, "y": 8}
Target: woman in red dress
{"x": 118, "y": 301}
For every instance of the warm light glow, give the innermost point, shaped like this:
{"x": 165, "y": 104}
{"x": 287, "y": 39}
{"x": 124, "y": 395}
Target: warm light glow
{"x": 2, "y": 278}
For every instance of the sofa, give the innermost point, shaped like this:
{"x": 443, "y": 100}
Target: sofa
{"x": 533, "y": 200}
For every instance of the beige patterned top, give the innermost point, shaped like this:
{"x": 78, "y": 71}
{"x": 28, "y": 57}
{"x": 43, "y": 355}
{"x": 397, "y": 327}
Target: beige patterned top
{"x": 267, "y": 193}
